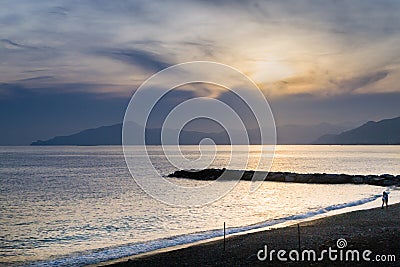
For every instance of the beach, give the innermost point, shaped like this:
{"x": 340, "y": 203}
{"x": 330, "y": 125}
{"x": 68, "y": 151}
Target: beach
{"x": 376, "y": 230}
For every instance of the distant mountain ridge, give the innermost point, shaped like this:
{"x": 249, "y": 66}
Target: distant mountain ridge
{"x": 112, "y": 135}
{"x": 295, "y": 134}
{"x": 384, "y": 132}
{"x": 105, "y": 135}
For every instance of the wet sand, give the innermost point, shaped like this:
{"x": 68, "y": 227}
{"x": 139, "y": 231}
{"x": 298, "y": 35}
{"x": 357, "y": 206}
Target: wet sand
{"x": 377, "y": 230}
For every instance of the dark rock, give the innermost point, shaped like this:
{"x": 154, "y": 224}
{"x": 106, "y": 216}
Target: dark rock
{"x": 358, "y": 180}
{"x": 368, "y": 178}
{"x": 276, "y": 177}
{"x": 387, "y": 176}
{"x": 303, "y": 178}
{"x": 377, "y": 181}
{"x": 248, "y": 175}
{"x": 290, "y": 178}
{"x": 389, "y": 182}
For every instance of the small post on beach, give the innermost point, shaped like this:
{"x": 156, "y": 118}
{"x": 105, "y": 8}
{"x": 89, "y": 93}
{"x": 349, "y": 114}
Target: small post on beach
{"x": 224, "y": 236}
{"x": 298, "y": 236}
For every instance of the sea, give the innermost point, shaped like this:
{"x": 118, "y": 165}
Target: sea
{"x": 75, "y": 206}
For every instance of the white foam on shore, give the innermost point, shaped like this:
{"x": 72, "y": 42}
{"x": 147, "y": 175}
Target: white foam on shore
{"x": 112, "y": 253}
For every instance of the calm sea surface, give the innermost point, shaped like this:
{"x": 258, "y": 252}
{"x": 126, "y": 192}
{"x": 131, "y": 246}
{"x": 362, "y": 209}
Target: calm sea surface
{"x": 79, "y": 205}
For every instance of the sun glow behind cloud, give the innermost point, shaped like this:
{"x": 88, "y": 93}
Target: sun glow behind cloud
{"x": 270, "y": 70}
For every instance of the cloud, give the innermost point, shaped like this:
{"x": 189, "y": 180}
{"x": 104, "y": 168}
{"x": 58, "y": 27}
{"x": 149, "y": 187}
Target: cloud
{"x": 354, "y": 83}
{"x": 143, "y": 59}
{"x": 319, "y": 46}
{"x": 328, "y": 85}
{"x": 8, "y": 44}
{"x": 59, "y": 11}
{"x": 312, "y": 109}
{"x": 37, "y": 78}
{"x": 35, "y": 86}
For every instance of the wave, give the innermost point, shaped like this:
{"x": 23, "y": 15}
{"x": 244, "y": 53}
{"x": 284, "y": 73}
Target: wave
{"x": 112, "y": 253}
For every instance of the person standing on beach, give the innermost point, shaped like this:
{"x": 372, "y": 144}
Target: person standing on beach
{"x": 385, "y": 199}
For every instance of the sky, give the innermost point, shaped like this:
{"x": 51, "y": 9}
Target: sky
{"x": 70, "y": 65}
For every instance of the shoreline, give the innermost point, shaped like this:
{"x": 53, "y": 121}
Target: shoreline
{"x": 191, "y": 253}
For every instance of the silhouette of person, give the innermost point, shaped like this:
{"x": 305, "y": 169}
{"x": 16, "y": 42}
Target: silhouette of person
{"x": 385, "y": 199}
